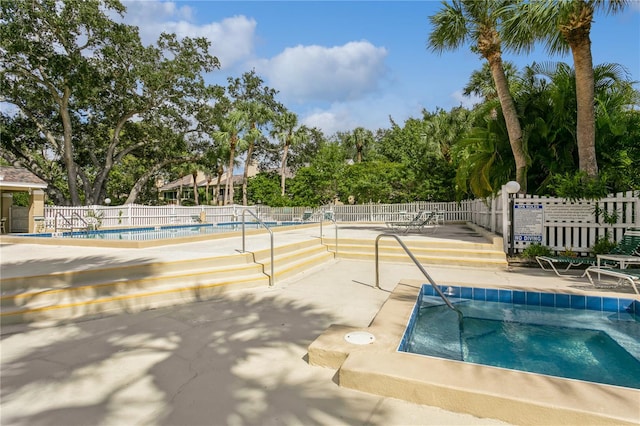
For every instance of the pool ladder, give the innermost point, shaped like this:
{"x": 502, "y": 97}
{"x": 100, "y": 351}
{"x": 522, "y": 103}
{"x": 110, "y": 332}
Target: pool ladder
{"x": 69, "y": 222}
{"x": 419, "y": 265}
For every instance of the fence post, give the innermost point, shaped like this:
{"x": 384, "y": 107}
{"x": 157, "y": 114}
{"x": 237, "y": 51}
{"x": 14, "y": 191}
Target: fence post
{"x": 493, "y": 218}
{"x": 505, "y": 218}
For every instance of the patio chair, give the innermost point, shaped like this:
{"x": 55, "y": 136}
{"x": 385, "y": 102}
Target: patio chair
{"x": 628, "y": 247}
{"x": 624, "y": 275}
{"x": 421, "y": 220}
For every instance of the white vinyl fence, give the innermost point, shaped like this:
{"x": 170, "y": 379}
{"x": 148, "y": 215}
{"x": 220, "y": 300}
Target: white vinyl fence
{"x": 554, "y": 222}
{"x": 134, "y": 215}
{"x": 558, "y": 223}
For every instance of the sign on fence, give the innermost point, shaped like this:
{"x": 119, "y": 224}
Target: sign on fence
{"x": 527, "y": 222}
{"x": 575, "y": 212}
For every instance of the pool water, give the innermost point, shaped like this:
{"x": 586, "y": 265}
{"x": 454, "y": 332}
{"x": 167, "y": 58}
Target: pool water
{"x": 159, "y": 232}
{"x": 597, "y": 345}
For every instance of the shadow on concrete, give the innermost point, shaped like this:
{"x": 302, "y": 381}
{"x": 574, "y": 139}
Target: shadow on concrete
{"x": 237, "y": 360}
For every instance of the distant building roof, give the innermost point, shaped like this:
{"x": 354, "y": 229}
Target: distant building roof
{"x": 19, "y": 178}
{"x": 201, "y": 179}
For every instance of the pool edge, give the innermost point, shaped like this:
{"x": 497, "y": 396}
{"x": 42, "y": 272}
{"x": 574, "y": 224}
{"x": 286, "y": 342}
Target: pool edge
{"x": 474, "y": 389}
{"x": 78, "y": 242}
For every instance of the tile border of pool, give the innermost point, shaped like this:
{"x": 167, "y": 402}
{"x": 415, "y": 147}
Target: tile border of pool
{"x": 491, "y": 392}
{"x": 538, "y": 298}
{"x": 92, "y": 242}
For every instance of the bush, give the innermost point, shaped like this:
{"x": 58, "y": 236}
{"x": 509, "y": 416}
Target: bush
{"x": 603, "y": 245}
{"x": 536, "y": 250}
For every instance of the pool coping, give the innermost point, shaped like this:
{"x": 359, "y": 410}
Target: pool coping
{"x": 483, "y": 391}
{"x": 92, "y": 242}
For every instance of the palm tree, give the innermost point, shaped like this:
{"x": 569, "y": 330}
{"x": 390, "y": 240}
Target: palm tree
{"x": 229, "y": 134}
{"x": 258, "y": 102}
{"x": 286, "y": 130}
{"x": 563, "y": 26}
{"x": 360, "y": 138}
{"x": 481, "y": 81}
{"x": 479, "y": 21}
{"x": 257, "y": 115}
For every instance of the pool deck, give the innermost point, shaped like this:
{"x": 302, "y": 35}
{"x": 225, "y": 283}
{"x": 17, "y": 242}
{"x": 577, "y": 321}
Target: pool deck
{"x": 237, "y": 360}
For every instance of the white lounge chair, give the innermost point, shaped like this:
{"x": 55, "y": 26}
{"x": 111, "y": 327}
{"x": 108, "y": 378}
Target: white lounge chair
{"x": 630, "y": 276}
{"x": 420, "y": 221}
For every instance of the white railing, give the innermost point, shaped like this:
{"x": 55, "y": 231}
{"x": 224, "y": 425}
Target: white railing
{"x": 563, "y": 224}
{"x": 134, "y": 215}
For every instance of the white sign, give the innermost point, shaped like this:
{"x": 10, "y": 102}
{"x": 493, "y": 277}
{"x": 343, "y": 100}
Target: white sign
{"x": 527, "y": 222}
{"x": 577, "y": 212}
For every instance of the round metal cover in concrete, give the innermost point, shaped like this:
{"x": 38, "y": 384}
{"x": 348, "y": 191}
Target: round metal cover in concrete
{"x": 359, "y": 337}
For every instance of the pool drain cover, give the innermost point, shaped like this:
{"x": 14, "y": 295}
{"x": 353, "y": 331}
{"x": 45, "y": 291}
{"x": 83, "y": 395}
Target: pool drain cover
{"x": 360, "y": 338}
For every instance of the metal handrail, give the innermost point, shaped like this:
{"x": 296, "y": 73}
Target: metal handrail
{"x": 335, "y": 223}
{"x": 419, "y": 265}
{"x": 68, "y": 221}
{"x": 272, "y": 278}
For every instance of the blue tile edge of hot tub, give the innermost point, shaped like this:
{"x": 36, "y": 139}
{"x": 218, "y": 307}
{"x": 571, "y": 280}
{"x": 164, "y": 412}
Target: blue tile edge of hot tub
{"x": 523, "y": 297}
{"x": 537, "y": 298}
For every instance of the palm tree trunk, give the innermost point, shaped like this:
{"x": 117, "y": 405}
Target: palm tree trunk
{"x": 196, "y": 196}
{"x": 228, "y": 192}
{"x": 585, "y": 95}
{"x": 219, "y": 172}
{"x": 245, "y": 176}
{"x": 511, "y": 120}
{"x": 283, "y": 169}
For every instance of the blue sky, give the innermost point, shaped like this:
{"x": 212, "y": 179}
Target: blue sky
{"x": 340, "y": 65}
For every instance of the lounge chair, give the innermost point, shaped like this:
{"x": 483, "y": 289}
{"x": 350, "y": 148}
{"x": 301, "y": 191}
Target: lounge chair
{"x": 623, "y": 275}
{"x": 627, "y": 247}
{"x": 422, "y": 219}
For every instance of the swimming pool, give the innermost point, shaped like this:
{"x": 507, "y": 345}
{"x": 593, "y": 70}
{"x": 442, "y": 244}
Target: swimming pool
{"x": 152, "y": 233}
{"x": 590, "y": 338}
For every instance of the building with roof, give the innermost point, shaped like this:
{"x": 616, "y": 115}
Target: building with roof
{"x": 21, "y": 218}
{"x": 180, "y": 191}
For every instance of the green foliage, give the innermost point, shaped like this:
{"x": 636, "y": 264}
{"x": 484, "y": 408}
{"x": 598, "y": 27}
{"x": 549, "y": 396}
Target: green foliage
{"x": 264, "y": 188}
{"x": 603, "y": 245}
{"x": 536, "y": 250}
{"x": 95, "y": 218}
{"x": 610, "y": 218}
{"x": 376, "y": 181}
{"x": 574, "y": 186}
{"x": 94, "y": 93}
{"x": 21, "y": 199}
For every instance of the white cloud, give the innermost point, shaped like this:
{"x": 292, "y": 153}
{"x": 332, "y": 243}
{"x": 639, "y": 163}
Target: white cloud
{"x": 466, "y": 101}
{"x": 232, "y": 39}
{"x": 330, "y": 74}
{"x": 372, "y": 112}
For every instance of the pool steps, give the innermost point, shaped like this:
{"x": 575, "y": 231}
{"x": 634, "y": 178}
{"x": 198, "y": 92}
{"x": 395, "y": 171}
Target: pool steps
{"x": 133, "y": 286}
{"x": 459, "y": 253}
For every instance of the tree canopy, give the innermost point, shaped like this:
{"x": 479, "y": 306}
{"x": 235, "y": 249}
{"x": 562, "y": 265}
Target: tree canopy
{"x": 96, "y": 113}
{"x": 90, "y": 94}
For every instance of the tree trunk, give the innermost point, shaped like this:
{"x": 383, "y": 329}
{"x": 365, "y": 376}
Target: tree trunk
{"x": 283, "y": 169}
{"x": 511, "y": 119}
{"x": 219, "y": 172}
{"x": 245, "y": 176}
{"x": 69, "y": 162}
{"x": 228, "y": 191}
{"x": 585, "y": 96}
{"x": 196, "y": 196}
